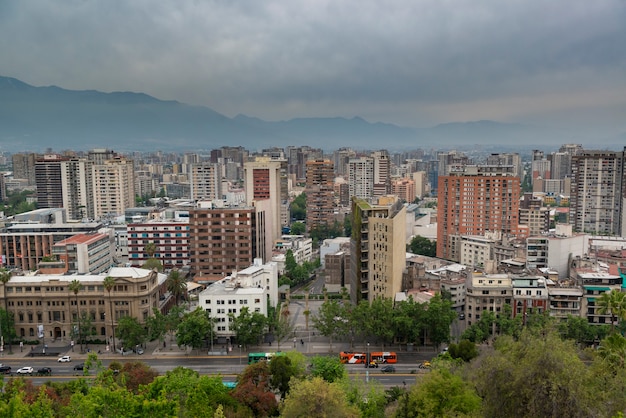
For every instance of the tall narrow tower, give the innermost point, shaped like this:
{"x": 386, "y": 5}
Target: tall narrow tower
{"x": 598, "y": 192}
{"x": 320, "y": 197}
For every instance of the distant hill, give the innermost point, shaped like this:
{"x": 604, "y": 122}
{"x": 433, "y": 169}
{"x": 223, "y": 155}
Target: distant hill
{"x": 34, "y": 118}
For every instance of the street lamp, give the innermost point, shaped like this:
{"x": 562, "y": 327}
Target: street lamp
{"x": 240, "y": 354}
{"x": 367, "y": 357}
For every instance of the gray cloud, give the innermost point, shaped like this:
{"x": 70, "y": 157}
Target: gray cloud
{"x": 406, "y": 61}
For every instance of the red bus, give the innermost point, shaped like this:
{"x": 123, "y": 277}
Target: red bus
{"x": 378, "y": 357}
{"x": 348, "y": 357}
{"x": 383, "y": 357}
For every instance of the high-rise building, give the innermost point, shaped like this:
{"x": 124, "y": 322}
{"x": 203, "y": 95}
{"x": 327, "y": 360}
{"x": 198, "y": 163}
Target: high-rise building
{"x": 382, "y": 173}
{"x": 361, "y": 177}
{"x": 320, "y": 193}
{"x": 48, "y": 181}
{"x": 404, "y": 189}
{"x": 266, "y": 179}
{"x": 377, "y": 249}
{"x": 206, "y": 181}
{"x": 508, "y": 158}
{"x": 225, "y": 239}
{"x": 24, "y": 167}
{"x": 113, "y": 186}
{"x": 473, "y": 200}
{"x": 598, "y": 192}
{"x": 341, "y": 157}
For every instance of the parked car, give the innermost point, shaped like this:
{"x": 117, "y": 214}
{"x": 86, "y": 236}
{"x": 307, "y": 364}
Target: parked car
{"x": 79, "y": 366}
{"x": 139, "y": 351}
{"x": 25, "y": 370}
{"x": 462, "y": 316}
{"x": 388, "y": 369}
{"x": 44, "y": 371}
{"x": 64, "y": 359}
{"x": 5, "y": 369}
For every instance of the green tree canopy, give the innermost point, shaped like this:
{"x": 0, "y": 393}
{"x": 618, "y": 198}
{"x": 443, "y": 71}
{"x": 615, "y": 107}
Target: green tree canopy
{"x": 131, "y": 332}
{"x": 423, "y": 246}
{"x": 328, "y": 368}
{"x": 194, "y": 329}
{"x": 317, "y": 398}
{"x": 248, "y": 326}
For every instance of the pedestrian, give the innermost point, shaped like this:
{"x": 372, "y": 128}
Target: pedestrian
{"x": 301, "y": 341}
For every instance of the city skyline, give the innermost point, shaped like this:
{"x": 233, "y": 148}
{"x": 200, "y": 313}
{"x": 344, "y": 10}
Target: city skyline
{"x": 414, "y": 64}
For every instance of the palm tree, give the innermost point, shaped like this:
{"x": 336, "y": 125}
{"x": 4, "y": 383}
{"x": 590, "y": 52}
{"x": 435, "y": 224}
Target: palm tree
{"x": 613, "y": 350}
{"x": 612, "y": 303}
{"x": 5, "y": 276}
{"x": 76, "y": 286}
{"x": 109, "y": 284}
{"x": 150, "y": 249}
{"x": 176, "y": 284}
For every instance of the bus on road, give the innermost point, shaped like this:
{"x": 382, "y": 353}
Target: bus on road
{"x": 256, "y": 357}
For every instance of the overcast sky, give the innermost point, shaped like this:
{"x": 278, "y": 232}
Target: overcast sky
{"x": 410, "y": 62}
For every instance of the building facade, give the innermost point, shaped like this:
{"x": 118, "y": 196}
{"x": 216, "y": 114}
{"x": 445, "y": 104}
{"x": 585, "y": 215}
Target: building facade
{"x": 475, "y": 200}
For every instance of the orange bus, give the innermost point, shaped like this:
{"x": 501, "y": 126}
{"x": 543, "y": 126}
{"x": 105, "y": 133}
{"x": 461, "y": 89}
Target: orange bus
{"x": 383, "y": 357}
{"x": 348, "y": 357}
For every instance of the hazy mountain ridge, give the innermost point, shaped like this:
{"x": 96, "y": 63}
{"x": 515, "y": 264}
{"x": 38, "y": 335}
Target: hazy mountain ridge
{"x": 34, "y": 118}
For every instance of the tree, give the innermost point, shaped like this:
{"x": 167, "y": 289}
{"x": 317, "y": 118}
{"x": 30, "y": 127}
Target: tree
{"x": 153, "y": 264}
{"x": 423, "y": 246}
{"x": 612, "y": 303}
{"x": 328, "y": 368}
{"x": 75, "y": 286}
{"x": 439, "y": 316}
{"x": 131, "y": 332}
{"x": 194, "y": 329}
{"x": 441, "y": 394}
{"x": 329, "y": 320}
{"x": 253, "y": 390}
{"x": 150, "y": 249}
{"x": 543, "y": 372}
{"x": 109, "y": 284}
{"x": 465, "y": 350}
{"x": 279, "y": 324}
{"x": 281, "y": 372}
{"x": 317, "y": 398}
{"x": 5, "y": 277}
{"x": 156, "y": 325}
{"x": 381, "y": 314}
{"x": 176, "y": 284}
{"x": 409, "y": 320}
{"x": 298, "y": 228}
{"x": 613, "y": 350}
{"x": 298, "y": 207}
{"x": 248, "y": 326}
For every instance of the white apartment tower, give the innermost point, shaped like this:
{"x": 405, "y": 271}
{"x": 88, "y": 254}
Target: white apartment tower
{"x": 206, "y": 181}
{"x": 113, "y": 186}
{"x": 361, "y": 177}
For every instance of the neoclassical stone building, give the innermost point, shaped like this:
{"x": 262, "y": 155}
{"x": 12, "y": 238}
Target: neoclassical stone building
{"x": 45, "y": 308}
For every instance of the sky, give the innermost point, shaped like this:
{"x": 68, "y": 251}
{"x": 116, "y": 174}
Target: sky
{"x": 417, "y": 63}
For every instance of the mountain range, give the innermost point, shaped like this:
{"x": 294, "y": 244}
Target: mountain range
{"x": 35, "y": 118}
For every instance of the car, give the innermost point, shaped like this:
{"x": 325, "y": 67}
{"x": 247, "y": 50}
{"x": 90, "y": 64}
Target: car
{"x": 424, "y": 365}
{"x": 5, "y": 369}
{"x": 388, "y": 369}
{"x": 64, "y": 359}
{"x": 79, "y": 366}
{"x": 25, "y": 370}
{"x": 140, "y": 351}
{"x": 372, "y": 365}
{"x": 44, "y": 371}
{"x": 462, "y": 316}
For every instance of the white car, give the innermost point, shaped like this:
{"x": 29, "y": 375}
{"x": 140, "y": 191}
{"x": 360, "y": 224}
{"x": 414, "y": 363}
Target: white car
{"x": 25, "y": 370}
{"x": 64, "y": 359}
